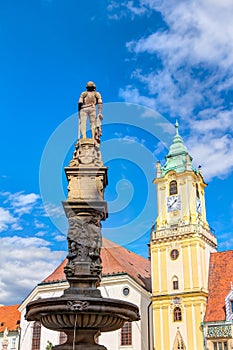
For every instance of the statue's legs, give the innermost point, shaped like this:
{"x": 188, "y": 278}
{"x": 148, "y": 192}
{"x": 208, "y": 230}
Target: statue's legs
{"x": 83, "y": 122}
{"x": 92, "y": 116}
{"x": 91, "y": 113}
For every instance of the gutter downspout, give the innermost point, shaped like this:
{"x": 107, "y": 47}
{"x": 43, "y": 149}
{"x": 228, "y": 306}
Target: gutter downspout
{"x": 149, "y": 325}
{"x": 19, "y": 338}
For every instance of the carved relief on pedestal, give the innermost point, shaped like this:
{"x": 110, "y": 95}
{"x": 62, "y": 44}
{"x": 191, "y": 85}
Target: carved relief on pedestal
{"x": 84, "y": 243}
{"x": 74, "y": 190}
{"x": 85, "y": 187}
{"x": 87, "y": 153}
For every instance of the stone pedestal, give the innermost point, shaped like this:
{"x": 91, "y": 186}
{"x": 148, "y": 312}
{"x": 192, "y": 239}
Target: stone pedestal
{"x": 85, "y": 208}
{"x": 81, "y": 312}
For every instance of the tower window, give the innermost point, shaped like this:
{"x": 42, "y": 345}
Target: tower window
{"x": 126, "y": 334}
{"x": 36, "y": 333}
{"x": 175, "y": 283}
{"x": 173, "y": 187}
{"x": 177, "y": 314}
{"x": 197, "y": 191}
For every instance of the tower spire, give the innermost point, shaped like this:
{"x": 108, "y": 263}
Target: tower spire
{"x": 177, "y": 127}
{"x": 178, "y": 157}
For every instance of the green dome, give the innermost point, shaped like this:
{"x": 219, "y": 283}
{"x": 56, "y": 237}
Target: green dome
{"x": 178, "y": 158}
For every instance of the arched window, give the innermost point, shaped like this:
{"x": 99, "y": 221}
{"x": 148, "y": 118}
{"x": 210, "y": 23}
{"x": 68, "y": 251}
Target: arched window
{"x": 177, "y": 314}
{"x": 173, "y": 187}
{"x": 126, "y": 334}
{"x": 175, "y": 282}
{"x": 62, "y": 338}
{"x": 197, "y": 191}
{"x": 36, "y": 333}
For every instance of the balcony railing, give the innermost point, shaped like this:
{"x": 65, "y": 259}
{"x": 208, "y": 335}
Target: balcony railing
{"x": 183, "y": 230}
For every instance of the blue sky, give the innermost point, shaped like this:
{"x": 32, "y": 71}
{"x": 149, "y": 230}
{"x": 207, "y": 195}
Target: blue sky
{"x": 153, "y": 62}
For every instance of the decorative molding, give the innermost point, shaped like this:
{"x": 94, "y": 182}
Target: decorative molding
{"x": 219, "y": 331}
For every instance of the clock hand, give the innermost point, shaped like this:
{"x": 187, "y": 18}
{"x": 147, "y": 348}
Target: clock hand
{"x": 174, "y": 201}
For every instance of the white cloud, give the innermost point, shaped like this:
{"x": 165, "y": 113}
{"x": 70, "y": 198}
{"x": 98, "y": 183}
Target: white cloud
{"x": 24, "y": 262}
{"x": 6, "y": 219}
{"x": 39, "y": 224}
{"x": 14, "y": 206}
{"x": 192, "y": 76}
{"x": 123, "y": 9}
{"x": 213, "y": 121}
{"x": 60, "y": 238}
{"x": 21, "y": 203}
{"x": 53, "y": 210}
{"x": 130, "y": 139}
{"x": 40, "y": 234}
{"x": 199, "y": 32}
{"x": 132, "y": 95}
{"x": 214, "y": 154}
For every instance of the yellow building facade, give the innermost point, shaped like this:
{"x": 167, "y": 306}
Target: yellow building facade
{"x": 180, "y": 247}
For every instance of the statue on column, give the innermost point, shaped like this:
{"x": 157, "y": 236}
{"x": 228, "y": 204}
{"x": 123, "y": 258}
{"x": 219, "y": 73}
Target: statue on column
{"x": 87, "y": 103}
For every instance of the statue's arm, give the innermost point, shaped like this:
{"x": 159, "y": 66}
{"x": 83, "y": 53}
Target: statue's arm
{"x": 79, "y": 106}
{"x": 81, "y": 101}
{"x": 99, "y": 102}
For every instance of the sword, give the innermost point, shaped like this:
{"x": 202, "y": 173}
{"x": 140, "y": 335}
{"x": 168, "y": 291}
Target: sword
{"x": 79, "y": 122}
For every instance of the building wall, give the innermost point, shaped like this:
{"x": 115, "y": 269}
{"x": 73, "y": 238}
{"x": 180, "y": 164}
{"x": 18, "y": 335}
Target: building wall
{"x": 13, "y": 339}
{"x": 141, "y": 299}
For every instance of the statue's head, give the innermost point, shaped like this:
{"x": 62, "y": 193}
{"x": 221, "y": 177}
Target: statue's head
{"x": 90, "y": 86}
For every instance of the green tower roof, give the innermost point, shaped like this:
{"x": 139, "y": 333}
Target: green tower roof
{"x": 178, "y": 158}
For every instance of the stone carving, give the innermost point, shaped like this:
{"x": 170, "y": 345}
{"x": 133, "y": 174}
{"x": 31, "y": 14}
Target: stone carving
{"x": 176, "y": 300}
{"x": 74, "y": 190}
{"x": 69, "y": 269}
{"x": 100, "y": 186}
{"x": 87, "y": 109}
{"x": 77, "y": 305}
{"x": 87, "y": 152}
{"x": 85, "y": 187}
{"x": 84, "y": 243}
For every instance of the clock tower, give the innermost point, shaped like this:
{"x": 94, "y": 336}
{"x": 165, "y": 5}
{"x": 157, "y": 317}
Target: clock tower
{"x": 181, "y": 243}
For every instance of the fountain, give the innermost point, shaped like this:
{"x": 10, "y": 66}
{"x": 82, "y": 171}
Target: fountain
{"x": 81, "y": 312}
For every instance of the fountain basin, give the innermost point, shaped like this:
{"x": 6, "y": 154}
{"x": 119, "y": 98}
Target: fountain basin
{"x": 85, "y": 315}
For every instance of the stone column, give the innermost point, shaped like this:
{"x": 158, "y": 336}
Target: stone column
{"x": 85, "y": 208}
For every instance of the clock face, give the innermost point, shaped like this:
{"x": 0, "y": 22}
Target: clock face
{"x": 173, "y": 203}
{"x": 198, "y": 205}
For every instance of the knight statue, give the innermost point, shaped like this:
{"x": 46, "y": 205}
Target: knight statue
{"x": 87, "y": 103}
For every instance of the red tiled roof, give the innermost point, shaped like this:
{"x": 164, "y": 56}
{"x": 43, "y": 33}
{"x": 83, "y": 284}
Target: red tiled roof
{"x": 115, "y": 260}
{"x": 219, "y": 285}
{"x": 9, "y": 318}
